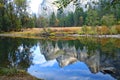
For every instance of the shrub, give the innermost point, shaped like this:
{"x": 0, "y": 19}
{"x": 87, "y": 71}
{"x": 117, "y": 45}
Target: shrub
{"x": 113, "y": 30}
{"x": 8, "y": 72}
{"x": 104, "y": 30}
{"x": 108, "y": 20}
{"x": 118, "y": 29}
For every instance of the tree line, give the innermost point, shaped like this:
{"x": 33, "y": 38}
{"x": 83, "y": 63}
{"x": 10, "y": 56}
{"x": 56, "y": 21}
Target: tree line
{"x": 102, "y": 13}
{"x": 14, "y": 15}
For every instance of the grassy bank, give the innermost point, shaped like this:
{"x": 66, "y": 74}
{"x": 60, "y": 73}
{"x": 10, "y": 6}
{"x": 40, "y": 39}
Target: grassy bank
{"x": 64, "y": 31}
{"x": 14, "y": 74}
{"x": 86, "y": 30}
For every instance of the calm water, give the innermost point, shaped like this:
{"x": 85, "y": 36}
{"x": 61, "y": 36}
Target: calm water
{"x": 80, "y": 59}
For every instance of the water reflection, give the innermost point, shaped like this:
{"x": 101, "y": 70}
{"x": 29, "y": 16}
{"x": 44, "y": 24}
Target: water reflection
{"x": 63, "y": 53}
{"x": 82, "y": 59}
{"x": 50, "y": 70}
{"x": 16, "y": 53}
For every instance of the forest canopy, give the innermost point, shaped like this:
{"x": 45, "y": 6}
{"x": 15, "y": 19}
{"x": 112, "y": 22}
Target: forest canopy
{"x": 14, "y": 15}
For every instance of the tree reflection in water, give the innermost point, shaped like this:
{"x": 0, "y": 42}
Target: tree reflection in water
{"x": 101, "y": 54}
{"x": 16, "y": 52}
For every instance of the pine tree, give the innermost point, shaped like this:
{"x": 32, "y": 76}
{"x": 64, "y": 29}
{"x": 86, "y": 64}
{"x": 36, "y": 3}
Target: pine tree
{"x": 52, "y": 20}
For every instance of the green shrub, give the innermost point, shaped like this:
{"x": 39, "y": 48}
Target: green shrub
{"x": 113, "y": 30}
{"x": 8, "y": 72}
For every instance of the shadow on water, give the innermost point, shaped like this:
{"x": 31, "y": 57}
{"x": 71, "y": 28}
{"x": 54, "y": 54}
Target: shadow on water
{"x": 101, "y": 56}
{"x": 15, "y": 53}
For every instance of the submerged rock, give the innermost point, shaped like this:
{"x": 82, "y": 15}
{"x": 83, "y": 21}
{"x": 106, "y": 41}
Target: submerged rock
{"x": 109, "y": 70}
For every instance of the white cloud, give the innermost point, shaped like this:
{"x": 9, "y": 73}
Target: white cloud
{"x": 38, "y": 57}
{"x": 48, "y": 64}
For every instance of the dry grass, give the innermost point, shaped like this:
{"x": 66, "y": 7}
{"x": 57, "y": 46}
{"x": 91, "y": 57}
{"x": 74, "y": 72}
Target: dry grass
{"x": 12, "y": 74}
{"x": 29, "y": 31}
{"x": 32, "y": 32}
{"x": 59, "y": 31}
{"x": 39, "y": 30}
{"x": 66, "y": 29}
{"x": 21, "y": 75}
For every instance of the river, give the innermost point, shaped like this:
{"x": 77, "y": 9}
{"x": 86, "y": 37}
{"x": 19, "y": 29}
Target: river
{"x": 83, "y": 58}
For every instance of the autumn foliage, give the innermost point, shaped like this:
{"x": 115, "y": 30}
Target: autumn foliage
{"x": 103, "y": 30}
{"x": 118, "y": 29}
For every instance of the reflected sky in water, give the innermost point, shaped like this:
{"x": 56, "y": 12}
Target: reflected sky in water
{"x": 50, "y": 70}
{"x": 84, "y": 59}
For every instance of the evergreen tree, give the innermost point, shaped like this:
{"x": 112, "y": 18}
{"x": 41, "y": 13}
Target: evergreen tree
{"x": 92, "y": 17}
{"x": 78, "y": 17}
{"x": 108, "y": 20}
{"x": 14, "y": 15}
{"x": 69, "y": 20}
{"x": 52, "y": 20}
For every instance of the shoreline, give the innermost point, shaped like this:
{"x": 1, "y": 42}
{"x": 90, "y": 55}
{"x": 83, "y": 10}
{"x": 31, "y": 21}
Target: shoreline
{"x": 55, "y": 32}
{"x": 60, "y": 35}
{"x": 19, "y": 75}
{"x": 99, "y": 36}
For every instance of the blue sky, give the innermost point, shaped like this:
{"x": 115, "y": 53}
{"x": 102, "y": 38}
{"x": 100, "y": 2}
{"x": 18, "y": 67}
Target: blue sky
{"x": 34, "y": 5}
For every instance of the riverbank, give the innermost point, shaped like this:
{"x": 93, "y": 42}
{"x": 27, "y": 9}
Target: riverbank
{"x": 19, "y": 75}
{"x": 56, "y": 32}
